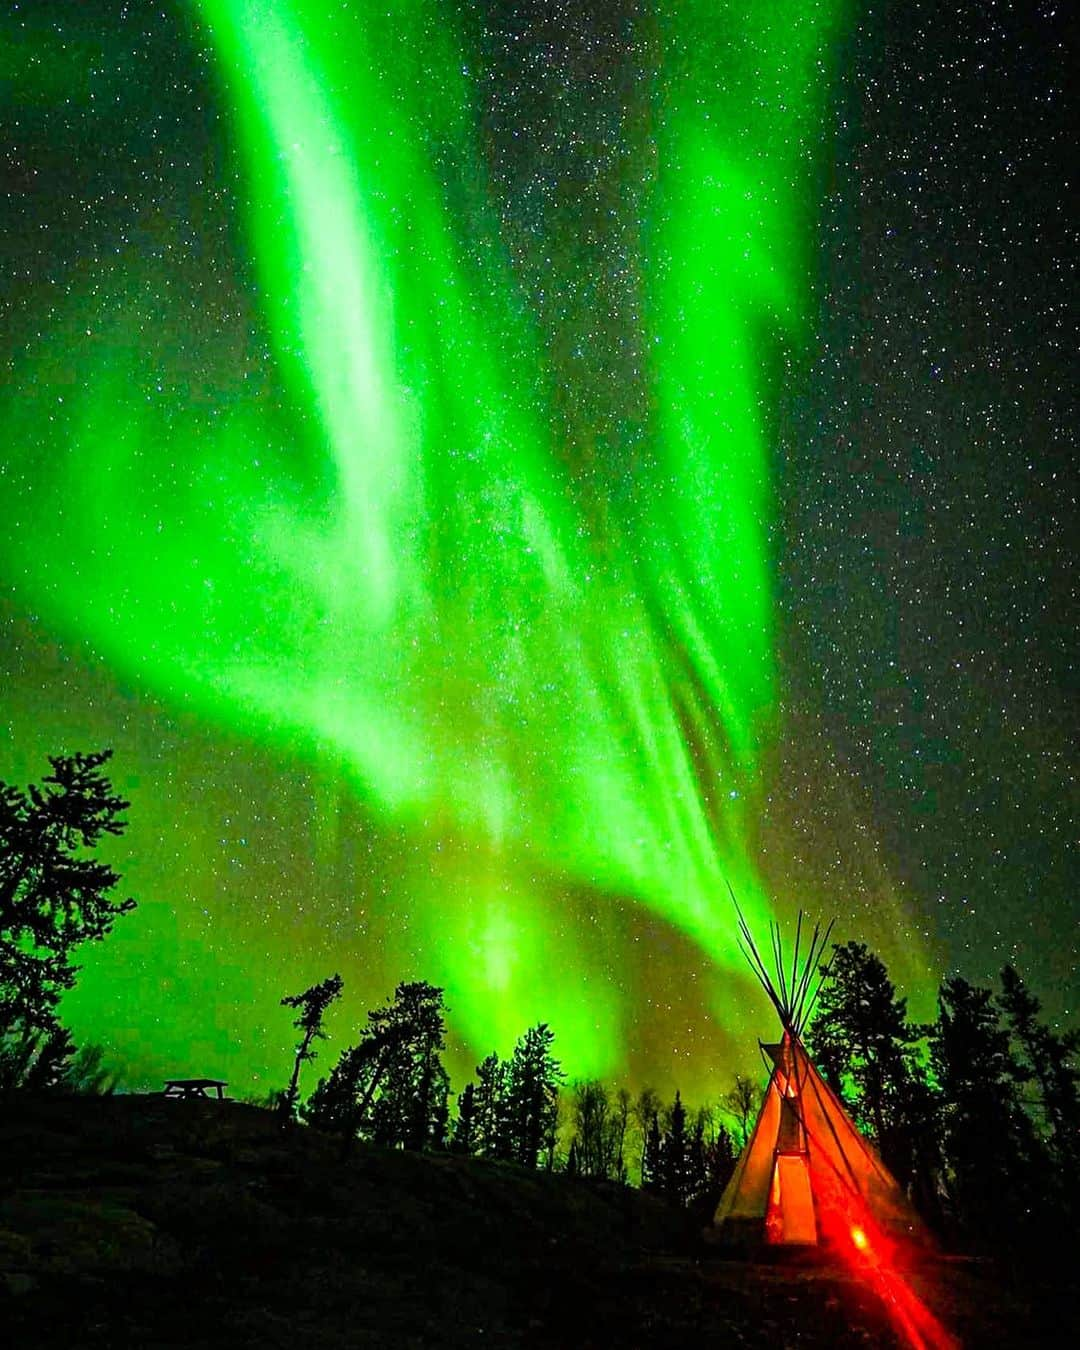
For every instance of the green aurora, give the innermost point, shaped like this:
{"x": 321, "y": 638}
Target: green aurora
{"x": 524, "y": 722}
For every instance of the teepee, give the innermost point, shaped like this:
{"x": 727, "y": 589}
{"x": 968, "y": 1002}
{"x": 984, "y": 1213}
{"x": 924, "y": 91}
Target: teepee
{"x": 806, "y": 1175}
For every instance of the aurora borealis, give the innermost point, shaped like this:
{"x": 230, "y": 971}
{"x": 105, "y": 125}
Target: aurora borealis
{"x": 423, "y": 473}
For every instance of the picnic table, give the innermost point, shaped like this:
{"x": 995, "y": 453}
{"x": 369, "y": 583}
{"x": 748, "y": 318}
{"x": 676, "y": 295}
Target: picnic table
{"x": 187, "y": 1089}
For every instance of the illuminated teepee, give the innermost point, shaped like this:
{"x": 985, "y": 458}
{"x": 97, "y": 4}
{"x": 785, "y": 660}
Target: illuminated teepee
{"x": 806, "y": 1175}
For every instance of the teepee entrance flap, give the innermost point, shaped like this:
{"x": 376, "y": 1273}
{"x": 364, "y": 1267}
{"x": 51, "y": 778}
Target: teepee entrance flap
{"x": 790, "y": 1219}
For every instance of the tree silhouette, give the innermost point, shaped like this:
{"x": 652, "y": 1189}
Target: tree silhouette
{"x": 870, "y": 1054}
{"x": 596, "y": 1129}
{"x": 463, "y": 1137}
{"x": 643, "y": 1111}
{"x": 43, "y": 1061}
{"x": 340, "y": 1101}
{"x": 87, "y": 1075}
{"x": 410, "y": 1110}
{"x": 860, "y": 1034}
{"x": 741, "y": 1103}
{"x": 697, "y": 1174}
{"x": 652, "y": 1157}
{"x": 989, "y": 1140}
{"x": 36, "y": 1061}
{"x": 492, "y": 1091}
{"x": 391, "y": 1086}
{"x": 674, "y": 1156}
{"x": 572, "y": 1167}
{"x": 721, "y": 1155}
{"x": 532, "y": 1095}
{"x": 1049, "y": 1061}
{"x": 426, "y": 1115}
{"x": 53, "y": 897}
{"x": 622, "y": 1105}
{"x": 312, "y": 1004}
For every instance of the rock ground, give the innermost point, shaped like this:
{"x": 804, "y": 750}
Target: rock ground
{"x": 132, "y": 1221}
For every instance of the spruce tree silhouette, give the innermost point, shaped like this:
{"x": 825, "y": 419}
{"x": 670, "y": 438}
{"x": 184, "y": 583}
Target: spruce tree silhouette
{"x": 532, "y": 1104}
{"x": 674, "y": 1168}
{"x": 312, "y": 1004}
{"x": 993, "y": 1152}
{"x": 463, "y": 1137}
{"x": 53, "y": 897}
{"x": 492, "y": 1132}
{"x": 1050, "y": 1061}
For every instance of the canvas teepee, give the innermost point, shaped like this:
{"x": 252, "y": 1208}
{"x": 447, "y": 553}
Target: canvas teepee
{"x": 806, "y": 1176}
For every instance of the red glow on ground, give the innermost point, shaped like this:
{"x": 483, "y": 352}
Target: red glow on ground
{"x": 909, "y": 1314}
{"x": 873, "y": 1259}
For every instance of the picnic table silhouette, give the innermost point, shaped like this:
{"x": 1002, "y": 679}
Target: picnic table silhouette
{"x": 187, "y": 1088}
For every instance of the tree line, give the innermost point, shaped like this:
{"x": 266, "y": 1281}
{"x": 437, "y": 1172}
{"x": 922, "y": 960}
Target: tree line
{"x": 391, "y": 1089}
{"x": 976, "y": 1113}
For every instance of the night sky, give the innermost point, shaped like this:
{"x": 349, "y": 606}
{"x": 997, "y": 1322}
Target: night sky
{"x": 496, "y": 472}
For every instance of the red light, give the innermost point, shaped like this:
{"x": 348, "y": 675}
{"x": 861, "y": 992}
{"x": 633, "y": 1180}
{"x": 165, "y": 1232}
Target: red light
{"x": 861, "y": 1241}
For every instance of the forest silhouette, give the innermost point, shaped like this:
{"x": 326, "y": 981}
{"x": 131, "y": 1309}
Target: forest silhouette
{"x": 977, "y": 1113}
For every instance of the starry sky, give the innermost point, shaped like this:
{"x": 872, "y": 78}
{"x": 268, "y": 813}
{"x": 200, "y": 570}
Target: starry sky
{"x": 496, "y": 472}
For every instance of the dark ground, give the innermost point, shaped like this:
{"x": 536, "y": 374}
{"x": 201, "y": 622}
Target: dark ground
{"x": 135, "y": 1222}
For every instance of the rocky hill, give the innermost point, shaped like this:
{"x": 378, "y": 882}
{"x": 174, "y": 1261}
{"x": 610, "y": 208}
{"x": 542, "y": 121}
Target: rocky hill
{"x": 135, "y": 1221}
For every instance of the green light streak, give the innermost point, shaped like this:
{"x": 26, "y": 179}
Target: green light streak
{"x": 371, "y": 553}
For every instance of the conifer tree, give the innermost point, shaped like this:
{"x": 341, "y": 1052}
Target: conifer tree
{"x": 463, "y": 1139}
{"x": 989, "y": 1141}
{"x": 675, "y": 1155}
{"x": 391, "y": 1086}
{"x": 410, "y": 1109}
{"x": 697, "y": 1179}
{"x": 312, "y": 1004}
{"x": 1049, "y": 1061}
{"x": 425, "y": 1115}
{"x": 720, "y": 1158}
{"x": 53, "y": 895}
{"x": 652, "y": 1157}
{"x": 340, "y": 1101}
{"x": 492, "y": 1129}
{"x": 860, "y": 1035}
{"x": 532, "y": 1095}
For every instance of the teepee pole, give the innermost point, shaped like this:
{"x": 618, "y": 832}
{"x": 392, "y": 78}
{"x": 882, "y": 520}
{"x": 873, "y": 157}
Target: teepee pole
{"x": 754, "y": 961}
{"x": 854, "y": 1181}
{"x": 795, "y": 953}
{"x": 806, "y": 975}
{"x": 778, "y": 962}
{"x": 824, "y": 974}
{"x": 753, "y": 956}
